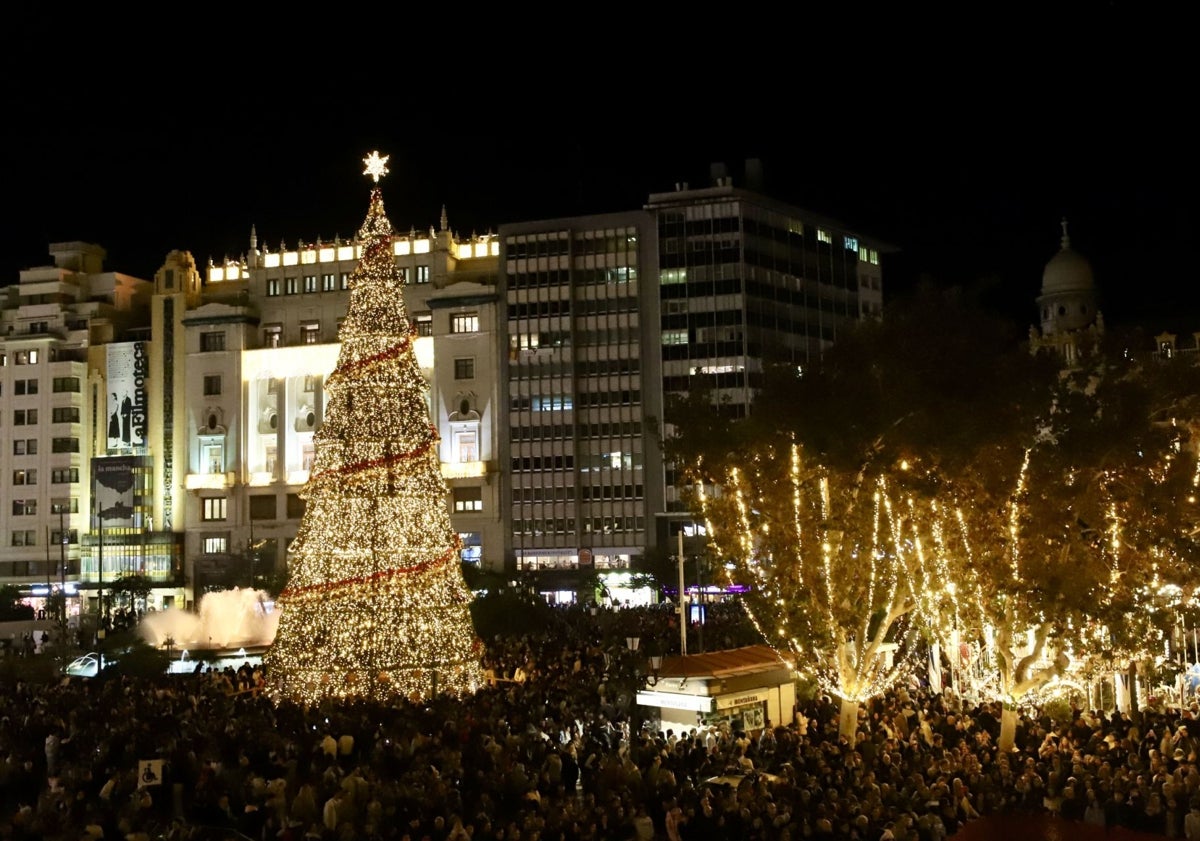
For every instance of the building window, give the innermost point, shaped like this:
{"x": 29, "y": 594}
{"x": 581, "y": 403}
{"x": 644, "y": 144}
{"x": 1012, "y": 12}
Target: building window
{"x": 64, "y": 414}
{"x": 24, "y": 537}
{"x": 70, "y": 537}
{"x": 216, "y": 545}
{"x": 64, "y": 505}
{"x": 25, "y": 447}
{"x": 424, "y": 325}
{"x": 65, "y": 384}
{"x": 212, "y": 341}
{"x": 25, "y": 357}
{"x": 824, "y": 236}
{"x": 310, "y": 283}
{"x": 64, "y": 445}
{"x": 24, "y": 477}
{"x": 24, "y": 507}
{"x": 328, "y": 282}
{"x": 403, "y": 272}
{"x": 272, "y": 287}
{"x": 466, "y": 445}
{"x": 467, "y": 322}
{"x": 272, "y": 335}
{"x": 212, "y": 385}
{"x": 25, "y": 386}
{"x": 295, "y": 506}
{"x": 310, "y": 333}
{"x": 308, "y": 454}
{"x": 310, "y": 382}
{"x": 345, "y": 280}
{"x": 262, "y": 507}
{"x": 422, "y": 274}
{"x": 291, "y": 285}
{"x": 468, "y": 499}
{"x": 214, "y": 508}
{"x": 464, "y": 368}
{"x": 212, "y": 455}
{"x": 24, "y": 417}
{"x": 64, "y": 475}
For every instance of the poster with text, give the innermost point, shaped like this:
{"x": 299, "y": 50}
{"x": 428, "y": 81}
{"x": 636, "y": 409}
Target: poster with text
{"x": 114, "y": 490}
{"x": 128, "y": 374}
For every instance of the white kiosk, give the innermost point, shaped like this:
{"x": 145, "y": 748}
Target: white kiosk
{"x": 749, "y": 688}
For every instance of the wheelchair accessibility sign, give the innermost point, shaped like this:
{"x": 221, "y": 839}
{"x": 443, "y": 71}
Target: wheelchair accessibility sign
{"x": 150, "y": 772}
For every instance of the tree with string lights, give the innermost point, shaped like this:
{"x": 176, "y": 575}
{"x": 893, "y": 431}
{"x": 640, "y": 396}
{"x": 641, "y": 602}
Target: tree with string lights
{"x": 376, "y": 606}
{"x": 835, "y": 497}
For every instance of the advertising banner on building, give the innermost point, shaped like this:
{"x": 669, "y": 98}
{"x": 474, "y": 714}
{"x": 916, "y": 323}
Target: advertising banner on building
{"x": 128, "y": 375}
{"x": 114, "y": 490}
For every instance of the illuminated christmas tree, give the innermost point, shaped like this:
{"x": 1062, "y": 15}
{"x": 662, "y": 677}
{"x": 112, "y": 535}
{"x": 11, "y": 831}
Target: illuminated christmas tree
{"x": 376, "y": 606}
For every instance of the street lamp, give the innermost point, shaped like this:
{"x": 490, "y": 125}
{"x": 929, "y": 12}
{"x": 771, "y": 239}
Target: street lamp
{"x": 655, "y": 665}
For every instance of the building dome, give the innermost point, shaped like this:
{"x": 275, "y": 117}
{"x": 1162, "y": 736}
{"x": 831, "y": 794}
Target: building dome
{"x": 1068, "y": 270}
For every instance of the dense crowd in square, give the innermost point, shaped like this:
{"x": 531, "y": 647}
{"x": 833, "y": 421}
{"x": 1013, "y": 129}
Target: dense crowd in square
{"x": 554, "y": 748}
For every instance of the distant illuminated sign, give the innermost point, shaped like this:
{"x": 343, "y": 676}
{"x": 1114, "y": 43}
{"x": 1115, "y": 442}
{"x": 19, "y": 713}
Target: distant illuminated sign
{"x": 676, "y": 701}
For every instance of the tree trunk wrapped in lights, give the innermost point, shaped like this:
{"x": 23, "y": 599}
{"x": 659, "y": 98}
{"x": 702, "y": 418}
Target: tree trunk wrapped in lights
{"x": 376, "y": 606}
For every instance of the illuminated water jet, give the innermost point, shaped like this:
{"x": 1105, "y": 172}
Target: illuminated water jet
{"x": 227, "y": 619}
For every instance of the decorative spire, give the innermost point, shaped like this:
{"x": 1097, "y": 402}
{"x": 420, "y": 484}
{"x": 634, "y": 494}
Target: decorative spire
{"x": 445, "y": 221}
{"x": 1066, "y": 238}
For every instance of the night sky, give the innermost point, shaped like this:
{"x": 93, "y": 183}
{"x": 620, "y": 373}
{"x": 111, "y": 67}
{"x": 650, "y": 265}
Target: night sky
{"x": 962, "y": 153}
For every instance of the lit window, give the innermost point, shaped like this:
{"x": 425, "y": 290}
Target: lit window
{"x": 345, "y": 280}
{"x": 272, "y": 287}
{"x": 310, "y": 283}
{"x": 466, "y": 446}
{"x": 424, "y": 325}
{"x": 310, "y": 382}
{"x": 468, "y": 499}
{"x": 212, "y": 385}
{"x": 465, "y": 323}
{"x": 272, "y": 335}
{"x": 310, "y": 333}
{"x": 464, "y": 368}
{"x": 328, "y": 282}
{"x": 214, "y": 508}
{"x": 24, "y": 477}
{"x": 422, "y": 274}
{"x": 212, "y": 341}
{"x": 291, "y": 285}
{"x": 851, "y": 243}
{"x": 216, "y": 545}
{"x": 824, "y": 236}
{"x": 675, "y": 337}
{"x": 212, "y": 455}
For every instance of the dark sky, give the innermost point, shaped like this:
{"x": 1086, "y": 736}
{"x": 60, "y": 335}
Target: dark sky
{"x": 962, "y": 146}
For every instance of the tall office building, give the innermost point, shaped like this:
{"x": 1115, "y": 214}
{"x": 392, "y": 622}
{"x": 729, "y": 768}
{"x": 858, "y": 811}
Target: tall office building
{"x": 63, "y": 327}
{"x": 608, "y": 315}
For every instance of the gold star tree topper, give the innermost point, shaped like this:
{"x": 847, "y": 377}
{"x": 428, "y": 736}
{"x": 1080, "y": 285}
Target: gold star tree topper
{"x": 376, "y": 166}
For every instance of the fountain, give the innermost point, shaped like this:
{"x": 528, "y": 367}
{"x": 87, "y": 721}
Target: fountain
{"x": 227, "y": 620}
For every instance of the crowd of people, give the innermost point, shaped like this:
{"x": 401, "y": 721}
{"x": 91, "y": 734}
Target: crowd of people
{"x": 562, "y": 755}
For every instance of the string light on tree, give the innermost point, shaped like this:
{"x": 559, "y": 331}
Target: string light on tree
{"x": 376, "y": 606}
